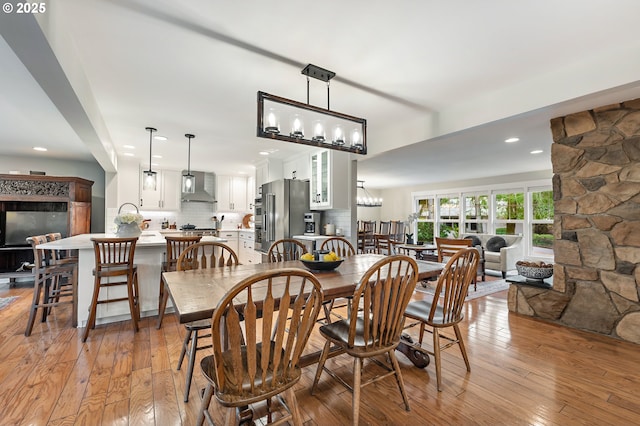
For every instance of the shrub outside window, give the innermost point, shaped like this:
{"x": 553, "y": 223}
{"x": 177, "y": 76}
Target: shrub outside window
{"x": 426, "y": 217}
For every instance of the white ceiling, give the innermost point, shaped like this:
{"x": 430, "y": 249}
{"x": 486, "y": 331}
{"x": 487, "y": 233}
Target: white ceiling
{"x": 441, "y": 84}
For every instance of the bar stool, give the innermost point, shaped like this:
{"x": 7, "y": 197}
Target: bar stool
{"x": 175, "y": 246}
{"x": 47, "y": 291}
{"x": 114, "y": 267}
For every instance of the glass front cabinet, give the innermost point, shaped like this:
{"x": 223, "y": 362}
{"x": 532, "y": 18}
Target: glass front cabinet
{"x": 329, "y": 178}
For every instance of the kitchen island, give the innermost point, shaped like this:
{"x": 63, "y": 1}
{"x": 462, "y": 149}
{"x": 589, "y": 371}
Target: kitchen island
{"x": 149, "y": 255}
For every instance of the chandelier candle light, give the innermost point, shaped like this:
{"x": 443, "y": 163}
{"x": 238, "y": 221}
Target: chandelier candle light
{"x": 345, "y": 132}
{"x": 367, "y": 200}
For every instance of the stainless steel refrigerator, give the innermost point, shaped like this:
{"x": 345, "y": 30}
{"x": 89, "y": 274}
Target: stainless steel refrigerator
{"x": 284, "y": 203}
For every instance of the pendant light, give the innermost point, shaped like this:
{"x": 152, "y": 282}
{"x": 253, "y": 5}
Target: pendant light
{"x": 149, "y": 182}
{"x": 189, "y": 180}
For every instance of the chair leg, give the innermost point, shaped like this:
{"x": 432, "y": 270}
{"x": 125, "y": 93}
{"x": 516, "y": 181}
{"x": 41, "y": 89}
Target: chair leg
{"x": 321, "y": 361}
{"x": 436, "y": 356}
{"x": 192, "y": 360}
{"x": 462, "y": 347}
{"x": 396, "y": 367}
{"x": 162, "y": 306}
{"x": 185, "y": 345}
{"x": 355, "y": 399}
{"x": 230, "y": 416}
{"x": 292, "y": 402}
{"x": 131, "y": 284}
{"x": 37, "y": 286}
{"x": 204, "y": 407}
{"x": 92, "y": 309}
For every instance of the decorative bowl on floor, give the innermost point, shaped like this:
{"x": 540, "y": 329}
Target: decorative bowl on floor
{"x": 320, "y": 265}
{"x": 534, "y": 270}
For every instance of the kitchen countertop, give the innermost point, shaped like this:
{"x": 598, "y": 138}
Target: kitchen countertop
{"x": 83, "y": 241}
{"x": 314, "y": 237}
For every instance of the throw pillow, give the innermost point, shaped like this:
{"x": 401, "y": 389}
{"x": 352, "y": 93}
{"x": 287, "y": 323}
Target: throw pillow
{"x": 495, "y": 244}
{"x": 475, "y": 241}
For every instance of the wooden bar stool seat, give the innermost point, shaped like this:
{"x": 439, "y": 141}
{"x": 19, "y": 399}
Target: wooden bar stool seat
{"x": 114, "y": 267}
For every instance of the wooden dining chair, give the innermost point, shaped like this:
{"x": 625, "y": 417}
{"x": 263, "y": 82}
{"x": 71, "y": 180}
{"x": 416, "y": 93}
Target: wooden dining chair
{"x": 444, "y": 310}
{"x": 114, "y": 267}
{"x": 366, "y": 241}
{"x": 260, "y": 329}
{"x": 397, "y": 233}
{"x": 374, "y": 326}
{"x": 285, "y": 249}
{"x": 175, "y": 246}
{"x": 343, "y": 248}
{"x": 203, "y": 255}
{"x": 49, "y": 286}
{"x": 447, "y": 247}
{"x": 385, "y": 227}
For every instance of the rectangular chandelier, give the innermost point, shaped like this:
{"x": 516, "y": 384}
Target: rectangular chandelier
{"x": 291, "y": 121}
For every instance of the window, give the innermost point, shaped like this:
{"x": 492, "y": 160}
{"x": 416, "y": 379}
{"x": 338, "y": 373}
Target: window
{"x": 449, "y": 216}
{"x": 541, "y": 222}
{"x": 476, "y": 213}
{"x": 426, "y": 217}
{"x": 509, "y": 213}
{"x": 510, "y": 209}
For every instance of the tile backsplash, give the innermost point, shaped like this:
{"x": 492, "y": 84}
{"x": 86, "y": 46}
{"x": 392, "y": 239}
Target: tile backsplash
{"x": 198, "y": 214}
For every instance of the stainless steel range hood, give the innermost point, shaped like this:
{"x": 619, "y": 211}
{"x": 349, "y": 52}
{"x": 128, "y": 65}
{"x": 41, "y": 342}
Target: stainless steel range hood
{"x": 205, "y": 191}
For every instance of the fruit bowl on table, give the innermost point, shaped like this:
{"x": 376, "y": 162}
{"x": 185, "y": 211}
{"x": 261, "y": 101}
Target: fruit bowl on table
{"x": 321, "y": 265}
{"x": 534, "y": 270}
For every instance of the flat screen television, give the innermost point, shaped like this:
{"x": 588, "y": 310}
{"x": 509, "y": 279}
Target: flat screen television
{"x": 22, "y": 224}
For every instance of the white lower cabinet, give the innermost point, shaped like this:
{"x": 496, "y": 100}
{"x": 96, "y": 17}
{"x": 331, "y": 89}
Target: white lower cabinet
{"x": 246, "y": 249}
{"x": 232, "y": 239}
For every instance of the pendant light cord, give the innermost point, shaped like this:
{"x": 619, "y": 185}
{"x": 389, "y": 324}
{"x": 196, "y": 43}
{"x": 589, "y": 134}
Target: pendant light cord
{"x": 189, "y": 136}
{"x": 151, "y": 130}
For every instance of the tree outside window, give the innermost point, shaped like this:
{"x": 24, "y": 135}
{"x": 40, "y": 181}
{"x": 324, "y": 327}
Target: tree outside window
{"x": 509, "y": 210}
{"x": 449, "y": 217}
{"x": 476, "y": 213}
{"x": 542, "y": 222}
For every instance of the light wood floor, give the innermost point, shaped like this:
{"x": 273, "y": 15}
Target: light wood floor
{"x": 523, "y": 372}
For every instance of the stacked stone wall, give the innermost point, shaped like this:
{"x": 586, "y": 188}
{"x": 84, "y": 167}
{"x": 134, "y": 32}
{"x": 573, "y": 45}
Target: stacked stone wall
{"x": 596, "y": 186}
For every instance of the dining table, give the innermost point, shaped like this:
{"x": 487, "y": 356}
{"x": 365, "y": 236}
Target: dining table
{"x": 196, "y": 293}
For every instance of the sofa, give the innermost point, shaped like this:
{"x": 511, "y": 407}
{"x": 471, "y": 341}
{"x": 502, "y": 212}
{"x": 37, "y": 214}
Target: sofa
{"x": 501, "y": 252}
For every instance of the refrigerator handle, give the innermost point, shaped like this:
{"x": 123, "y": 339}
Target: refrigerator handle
{"x": 271, "y": 217}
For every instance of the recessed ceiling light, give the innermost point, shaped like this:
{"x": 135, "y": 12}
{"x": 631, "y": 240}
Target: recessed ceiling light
{"x": 128, "y": 154}
{"x": 536, "y": 151}
{"x": 510, "y": 140}
{"x": 263, "y": 153}
{"x": 129, "y": 146}
{"x": 157, "y": 156}
{"x": 160, "y": 138}
{"x": 39, "y": 148}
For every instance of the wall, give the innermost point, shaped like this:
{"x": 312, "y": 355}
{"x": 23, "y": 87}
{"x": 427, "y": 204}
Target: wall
{"x": 90, "y": 170}
{"x": 596, "y": 164}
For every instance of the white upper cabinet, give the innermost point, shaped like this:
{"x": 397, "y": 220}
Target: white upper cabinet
{"x": 267, "y": 171}
{"x": 297, "y": 168}
{"x": 251, "y": 192}
{"x": 329, "y": 174}
{"x": 232, "y": 193}
{"x": 166, "y": 196}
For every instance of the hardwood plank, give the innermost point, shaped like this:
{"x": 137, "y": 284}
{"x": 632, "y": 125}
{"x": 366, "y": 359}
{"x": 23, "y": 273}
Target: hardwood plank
{"x": 164, "y": 399}
{"x": 141, "y": 402}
